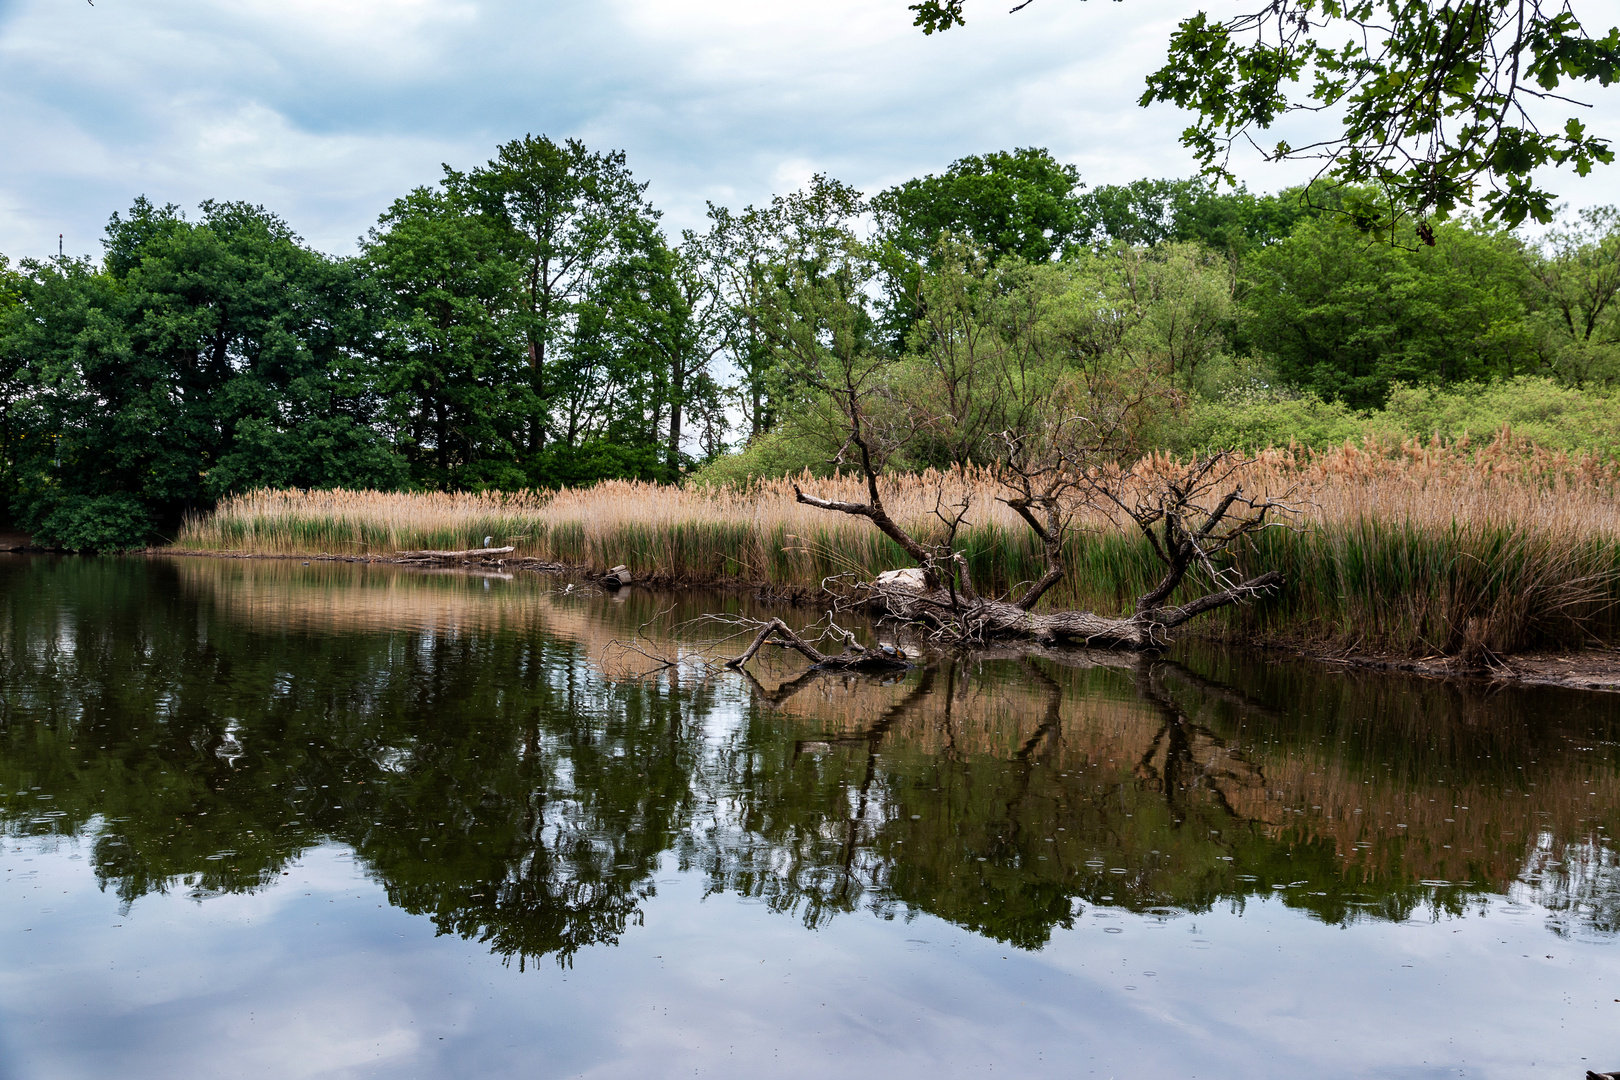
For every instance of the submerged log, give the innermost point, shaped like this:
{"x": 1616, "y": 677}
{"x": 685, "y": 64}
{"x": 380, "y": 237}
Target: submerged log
{"x": 470, "y": 553}
{"x": 853, "y": 658}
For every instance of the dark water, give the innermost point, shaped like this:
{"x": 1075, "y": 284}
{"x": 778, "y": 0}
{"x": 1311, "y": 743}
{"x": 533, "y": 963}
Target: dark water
{"x": 273, "y": 820}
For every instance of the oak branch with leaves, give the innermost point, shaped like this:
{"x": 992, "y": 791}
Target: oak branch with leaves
{"x": 1439, "y": 105}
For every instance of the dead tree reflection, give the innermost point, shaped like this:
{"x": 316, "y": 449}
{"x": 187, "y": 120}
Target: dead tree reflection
{"x": 1185, "y": 760}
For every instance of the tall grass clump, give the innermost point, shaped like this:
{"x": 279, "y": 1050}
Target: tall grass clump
{"x": 1416, "y": 548}
{"x": 1425, "y": 549}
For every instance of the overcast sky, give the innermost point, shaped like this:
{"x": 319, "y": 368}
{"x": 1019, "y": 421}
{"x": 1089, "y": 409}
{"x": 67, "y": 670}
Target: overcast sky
{"x": 326, "y": 110}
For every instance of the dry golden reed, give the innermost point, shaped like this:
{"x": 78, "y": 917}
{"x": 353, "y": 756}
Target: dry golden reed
{"x": 1418, "y": 548}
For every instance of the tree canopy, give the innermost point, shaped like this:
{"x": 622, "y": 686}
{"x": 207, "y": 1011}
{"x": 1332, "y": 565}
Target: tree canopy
{"x": 528, "y": 324}
{"x": 1019, "y": 202}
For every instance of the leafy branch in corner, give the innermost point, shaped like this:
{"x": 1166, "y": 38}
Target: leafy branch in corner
{"x": 1436, "y": 99}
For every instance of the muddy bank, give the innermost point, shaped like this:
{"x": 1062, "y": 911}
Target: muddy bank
{"x": 1588, "y": 669}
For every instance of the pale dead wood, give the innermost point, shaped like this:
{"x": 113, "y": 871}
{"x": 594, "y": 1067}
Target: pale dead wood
{"x": 470, "y": 553}
{"x": 1191, "y": 518}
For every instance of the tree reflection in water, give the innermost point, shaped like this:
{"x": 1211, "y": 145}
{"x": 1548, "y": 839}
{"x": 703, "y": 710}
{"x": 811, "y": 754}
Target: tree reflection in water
{"x": 205, "y": 725}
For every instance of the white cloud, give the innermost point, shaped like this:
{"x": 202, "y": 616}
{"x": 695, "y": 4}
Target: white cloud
{"x": 327, "y": 112}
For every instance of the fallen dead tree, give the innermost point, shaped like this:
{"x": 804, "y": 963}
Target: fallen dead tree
{"x": 1190, "y": 517}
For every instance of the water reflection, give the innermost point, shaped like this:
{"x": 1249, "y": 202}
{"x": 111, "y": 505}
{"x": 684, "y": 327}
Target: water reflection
{"x": 204, "y": 723}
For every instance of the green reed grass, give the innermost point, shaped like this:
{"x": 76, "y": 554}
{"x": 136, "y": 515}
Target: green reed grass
{"x": 1415, "y": 550}
{"x": 1406, "y": 588}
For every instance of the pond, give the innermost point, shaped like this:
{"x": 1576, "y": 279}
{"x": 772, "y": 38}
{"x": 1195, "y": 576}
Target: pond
{"x": 277, "y": 819}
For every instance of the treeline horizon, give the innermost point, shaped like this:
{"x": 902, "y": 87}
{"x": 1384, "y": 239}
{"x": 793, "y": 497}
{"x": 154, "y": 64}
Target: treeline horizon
{"x": 528, "y": 324}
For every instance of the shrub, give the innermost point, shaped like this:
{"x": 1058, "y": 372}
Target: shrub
{"x": 767, "y": 457}
{"x": 1536, "y": 409}
{"x": 96, "y": 523}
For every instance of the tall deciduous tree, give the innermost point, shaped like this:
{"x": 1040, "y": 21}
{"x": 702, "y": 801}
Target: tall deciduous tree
{"x": 1019, "y": 202}
{"x": 1346, "y": 317}
{"x": 686, "y": 326}
{"x": 450, "y": 352}
{"x": 1576, "y": 294}
{"x": 1149, "y": 212}
{"x": 756, "y": 257}
{"x": 18, "y": 404}
{"x": 569, "y": 214}
{"x": 199, "y": 359}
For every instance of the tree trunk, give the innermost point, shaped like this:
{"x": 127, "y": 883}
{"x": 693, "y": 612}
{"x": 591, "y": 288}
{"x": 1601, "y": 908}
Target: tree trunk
{"x": 994, "y": 619}
{"x": 677, "y": 387}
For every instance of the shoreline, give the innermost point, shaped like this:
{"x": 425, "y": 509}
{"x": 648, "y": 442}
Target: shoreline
{"x": 1595, "y": 668}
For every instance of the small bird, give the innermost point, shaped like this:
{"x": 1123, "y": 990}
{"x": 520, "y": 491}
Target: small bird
{"x": 488, "y": 540}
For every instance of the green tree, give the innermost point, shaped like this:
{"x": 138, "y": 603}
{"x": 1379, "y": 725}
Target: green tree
{"x": 1346, "y": 317}
{"x": 684, "y": 324}
{"x": 1019, "y": 202}
{"x": 1433, "y": 98}
{"x": 1574, "y": 285}
{"x": 1015, "y": 347}
{"x": 199, "y": 359}
{"x": 1175, "y": 306}
{"x": 830, "y": 350}
{"x": 18, "y": 403}
{"x": 451, "y": 357}
{"x": 1149, "y": 212}
{"x": 613, "y": 384}
{"x": 1011, "y": 204}
{"x": 756, "y": 257}
{"x": 569, "y": 215}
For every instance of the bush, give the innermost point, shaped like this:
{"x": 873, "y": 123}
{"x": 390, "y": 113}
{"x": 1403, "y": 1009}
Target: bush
{"x": 766, "y": 457}
{"x": 1254, "y": 416}
{"x": 1535, "y": 409}
{"x": 96, "y": 523}
{"x": 559, "y": 466}
{"x": 1538, "y": 410}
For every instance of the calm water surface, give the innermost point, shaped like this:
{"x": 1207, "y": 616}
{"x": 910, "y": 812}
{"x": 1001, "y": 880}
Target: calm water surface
{"x": 264, "y": 819}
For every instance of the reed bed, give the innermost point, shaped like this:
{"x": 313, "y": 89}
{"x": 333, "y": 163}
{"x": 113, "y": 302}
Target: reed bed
{"x": 1417, "y": 548}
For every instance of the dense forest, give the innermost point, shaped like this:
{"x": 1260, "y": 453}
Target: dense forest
{"x": 528, "y": 323}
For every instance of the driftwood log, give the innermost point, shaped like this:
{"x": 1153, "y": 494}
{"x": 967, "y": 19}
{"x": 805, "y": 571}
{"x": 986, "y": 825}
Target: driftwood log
{"x": 470, "y": 553}
{"x": 854, "y": 657}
